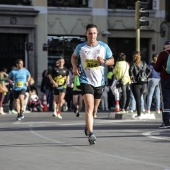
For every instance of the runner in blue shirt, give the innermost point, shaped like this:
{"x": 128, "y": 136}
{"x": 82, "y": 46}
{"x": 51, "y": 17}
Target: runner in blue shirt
{"x": 19, "y": 78}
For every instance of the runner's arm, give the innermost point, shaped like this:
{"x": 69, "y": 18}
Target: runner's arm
{"x": 74, "y": 64}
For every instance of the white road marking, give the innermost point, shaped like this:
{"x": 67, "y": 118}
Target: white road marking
{"x": 149, "y": 134}
{"x": 95, "y": 152}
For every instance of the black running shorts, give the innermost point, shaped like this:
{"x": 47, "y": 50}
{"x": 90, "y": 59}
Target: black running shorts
{"x": 89, "y": 89}
{"x": 76, "y": 92}
{"x": 17, "y": 93}
{"x": 57, "y": 91}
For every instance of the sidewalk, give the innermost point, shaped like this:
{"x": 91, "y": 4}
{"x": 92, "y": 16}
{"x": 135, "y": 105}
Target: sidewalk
{"x": 120, "y": 115}
{"x": 115, "y": 115}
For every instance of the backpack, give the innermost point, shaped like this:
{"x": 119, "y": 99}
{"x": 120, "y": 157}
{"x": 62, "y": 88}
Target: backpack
{"x": 168, "y": 64}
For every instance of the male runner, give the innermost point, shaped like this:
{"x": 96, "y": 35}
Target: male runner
{"x": 94, "y": 56}
{"x": 19, "y": 78}
{"x": 59, "y": 79}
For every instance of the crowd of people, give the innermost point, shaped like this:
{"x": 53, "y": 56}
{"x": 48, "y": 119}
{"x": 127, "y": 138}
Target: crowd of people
{"x": 138, "y": 84}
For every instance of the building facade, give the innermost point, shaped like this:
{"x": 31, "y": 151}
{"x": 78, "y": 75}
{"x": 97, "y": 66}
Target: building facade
{"x": 41, "y": 31}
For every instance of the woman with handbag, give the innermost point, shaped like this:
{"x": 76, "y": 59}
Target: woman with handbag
{"x": 139, "y": 72}
{"x": 3, "y": 90}
{"x": 121, "y": 72}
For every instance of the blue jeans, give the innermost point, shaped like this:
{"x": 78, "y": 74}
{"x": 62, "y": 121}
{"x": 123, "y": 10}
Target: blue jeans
{"x": 165, "y": 86}
{"x": 49, "y": 94}
{"x": 153, "y": 89}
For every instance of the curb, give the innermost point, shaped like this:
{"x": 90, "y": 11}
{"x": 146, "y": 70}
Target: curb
{"x": 119, "y": 115}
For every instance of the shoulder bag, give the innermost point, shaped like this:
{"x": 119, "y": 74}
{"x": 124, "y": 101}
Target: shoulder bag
{"x": 3, "y": 88}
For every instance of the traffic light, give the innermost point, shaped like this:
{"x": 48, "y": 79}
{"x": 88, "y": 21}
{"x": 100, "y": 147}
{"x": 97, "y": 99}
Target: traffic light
{"x": 140, "y": 14}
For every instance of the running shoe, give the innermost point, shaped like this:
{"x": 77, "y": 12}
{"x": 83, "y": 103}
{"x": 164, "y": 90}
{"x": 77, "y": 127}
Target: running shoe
{"x": 75, "y": 110}
{"x": 65, "y": 107}
{"x": 12, "y": 112}
{"x": 92, "y": 139}
{"x": 78, "y": 115}
{"x": 22, "y": 115}
{"x": 18, "y": 117}
{"x": 59, "y": 116}
{"x": 54, "y": 115}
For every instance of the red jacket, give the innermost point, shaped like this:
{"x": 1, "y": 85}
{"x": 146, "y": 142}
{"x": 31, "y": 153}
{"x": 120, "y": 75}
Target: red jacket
{"x": 160, "y": 65}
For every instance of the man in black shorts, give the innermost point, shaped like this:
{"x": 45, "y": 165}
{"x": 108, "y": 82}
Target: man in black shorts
{"x": 19, "y": 79}
{"x": 59, "y": 79}
{"x": 94, "y": 56}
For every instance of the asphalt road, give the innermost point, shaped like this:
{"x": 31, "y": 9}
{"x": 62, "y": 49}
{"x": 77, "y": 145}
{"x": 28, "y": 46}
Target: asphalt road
{"x": 43, "y": 142}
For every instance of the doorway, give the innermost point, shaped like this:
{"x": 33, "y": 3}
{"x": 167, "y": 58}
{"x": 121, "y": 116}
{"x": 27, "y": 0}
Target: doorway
{"x": 12, "y": 47}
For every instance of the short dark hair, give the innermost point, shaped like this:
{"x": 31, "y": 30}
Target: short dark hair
{"x": 136, "y": 52}
{"x": 91, "y": 26}
{"x": 122, "y": 57}
{"x": 154, "y": 55}
{"x": 18, "y": 60}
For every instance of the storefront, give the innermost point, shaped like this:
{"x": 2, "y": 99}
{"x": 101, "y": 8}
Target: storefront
{"x": 62, "y": 46}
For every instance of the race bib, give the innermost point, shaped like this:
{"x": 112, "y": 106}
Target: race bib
{"x": 91, "y": 63}
{"x": 19, "y": 84}
{"x": 60, "y": 80}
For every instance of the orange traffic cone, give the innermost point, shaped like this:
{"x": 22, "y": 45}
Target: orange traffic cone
{"x": 117, "y": 108}
{"x": 45, "y": 103}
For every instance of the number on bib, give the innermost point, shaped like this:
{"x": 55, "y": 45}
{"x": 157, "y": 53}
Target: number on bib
{"x": 19, "y": 84}
{"x": 91, "y": 63}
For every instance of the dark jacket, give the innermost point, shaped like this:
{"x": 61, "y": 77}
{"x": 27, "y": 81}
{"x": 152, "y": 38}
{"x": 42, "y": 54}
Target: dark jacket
{"x": 46, "y": 84}
{"x": 160, "y": 65}
{"x": 136, "y": 71}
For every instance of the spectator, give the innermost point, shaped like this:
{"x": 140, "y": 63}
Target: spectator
{"x": 12, "y": 107}
{"x": 111, "y": 102}
{"x": 77, "y": 96}
{"x": 2, "y": 94}
{"x": 34, "y": 101}
{"x": 139, "y": 72}
{"x": 47, "y": 88}
{"x": 153, "y": 86}
{"x": 7, "y": 94}
{"x": 160, "y": 66}
{"x": 30, "y": 87}
{"x": 69, "y": 91}
{"x": 121, "y": 71}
